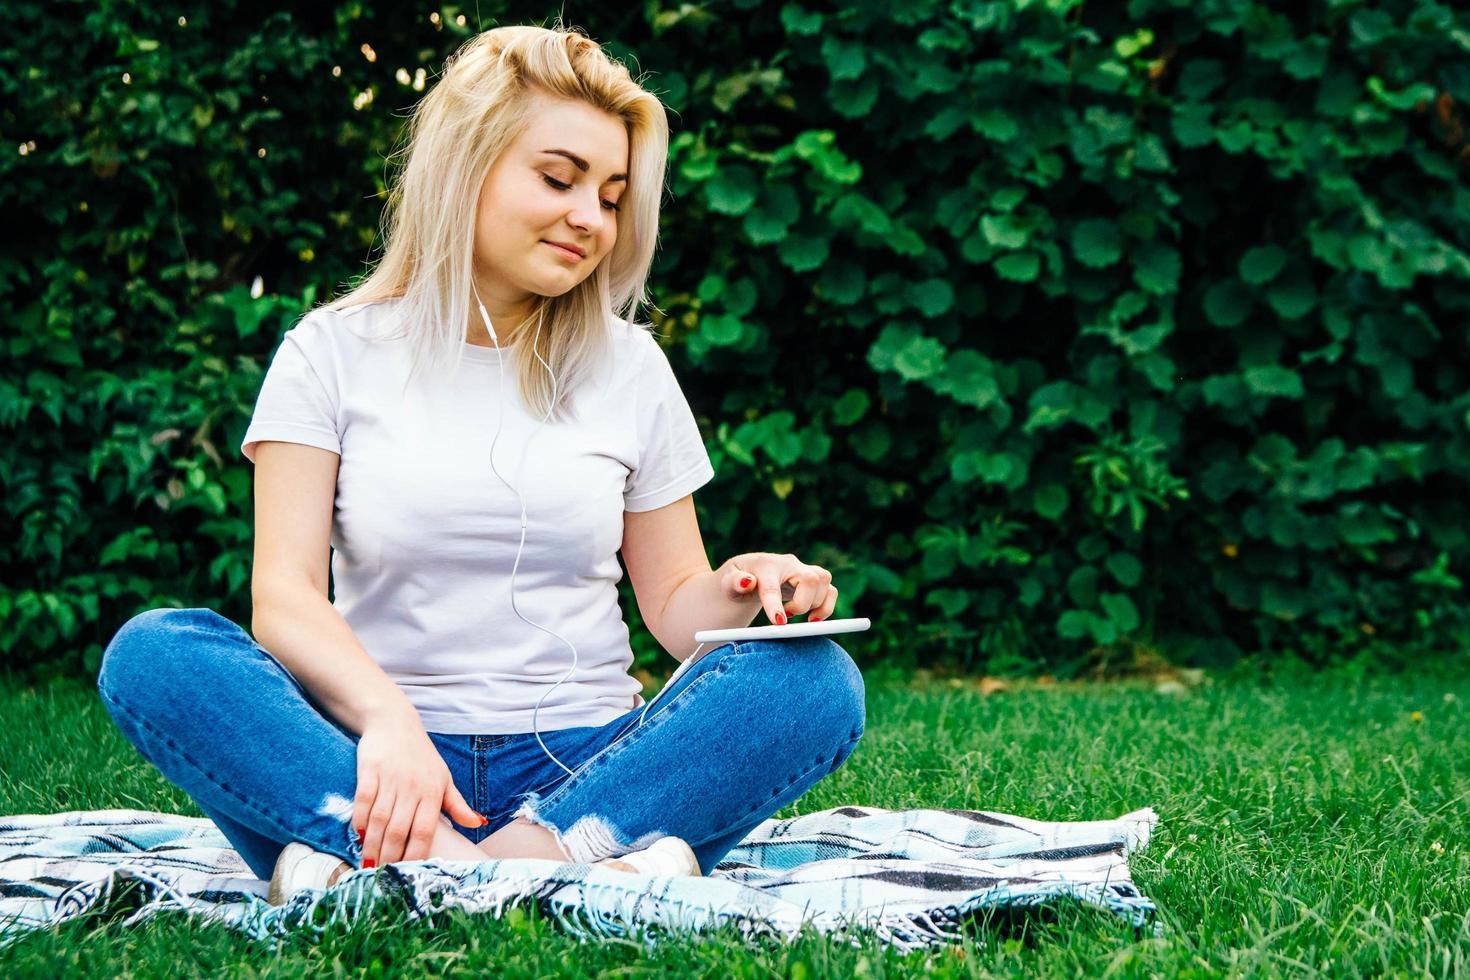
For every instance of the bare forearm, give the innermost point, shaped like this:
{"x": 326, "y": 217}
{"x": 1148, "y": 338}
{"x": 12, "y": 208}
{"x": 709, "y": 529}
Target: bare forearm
{"x": 700, "y": 603}
{"x": 301, "y": 628}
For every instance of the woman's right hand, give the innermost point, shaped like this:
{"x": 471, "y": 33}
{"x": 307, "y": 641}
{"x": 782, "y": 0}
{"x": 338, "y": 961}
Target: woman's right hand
{"x": 402, "y": 785}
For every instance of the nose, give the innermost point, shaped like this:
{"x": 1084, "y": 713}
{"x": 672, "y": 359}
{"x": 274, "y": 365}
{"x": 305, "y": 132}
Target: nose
{"x": 587, "y": 214}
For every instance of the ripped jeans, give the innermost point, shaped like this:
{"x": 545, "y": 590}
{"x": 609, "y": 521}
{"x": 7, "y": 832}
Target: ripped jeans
{"x": 743, "y": 732}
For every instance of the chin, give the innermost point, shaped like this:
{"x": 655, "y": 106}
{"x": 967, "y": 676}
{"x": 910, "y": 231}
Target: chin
{"x": 565, "y": 281}
{"x": 558, "y": 289}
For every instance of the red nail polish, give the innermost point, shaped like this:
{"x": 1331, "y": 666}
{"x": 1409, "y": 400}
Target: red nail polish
{"x": 361, "y": 832}
{"x": 745, "y": 583}
{"x": 780, "y": 619}
{"x": 369, "y": 863}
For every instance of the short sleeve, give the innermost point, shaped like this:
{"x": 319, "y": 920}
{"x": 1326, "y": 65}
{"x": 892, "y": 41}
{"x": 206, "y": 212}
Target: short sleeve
{"x": 672, "y": 460}
{"x": 298, "y": 398}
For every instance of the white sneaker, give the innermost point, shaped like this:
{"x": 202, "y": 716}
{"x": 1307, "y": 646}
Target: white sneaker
{"x": 301, "y": 866}
{"x": 667, "y": 857}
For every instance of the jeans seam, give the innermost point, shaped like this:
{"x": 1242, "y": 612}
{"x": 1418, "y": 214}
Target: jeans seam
{"x": 173, "y": 746}
{"x": 622, "y": 741}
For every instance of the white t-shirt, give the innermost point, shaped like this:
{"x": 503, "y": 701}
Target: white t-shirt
{"x": 424, "y": 533}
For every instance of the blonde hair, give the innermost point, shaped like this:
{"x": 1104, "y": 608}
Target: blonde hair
{"x": 483, "y": 102}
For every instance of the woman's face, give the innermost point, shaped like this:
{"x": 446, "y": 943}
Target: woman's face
{"x": 537, "y": 193}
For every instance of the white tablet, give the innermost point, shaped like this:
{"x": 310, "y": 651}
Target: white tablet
{"x": 774, "y": 632}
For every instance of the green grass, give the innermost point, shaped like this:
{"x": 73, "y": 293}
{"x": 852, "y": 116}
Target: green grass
{"x": 1309, "y": 824}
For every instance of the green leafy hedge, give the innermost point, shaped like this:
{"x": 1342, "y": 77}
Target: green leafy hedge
{"x": 1049, "y": 329}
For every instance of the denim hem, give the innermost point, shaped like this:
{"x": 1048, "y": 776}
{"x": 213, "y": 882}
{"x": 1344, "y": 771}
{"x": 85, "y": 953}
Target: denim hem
{"x": 592, "y": 837}
{"x": 589, "y": 839}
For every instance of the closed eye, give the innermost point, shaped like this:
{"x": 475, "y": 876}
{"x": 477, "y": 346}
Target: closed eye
{"x": 566, "y": 187}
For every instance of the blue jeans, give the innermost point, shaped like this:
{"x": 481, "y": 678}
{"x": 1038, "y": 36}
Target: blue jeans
{"x": 745, "y": 731}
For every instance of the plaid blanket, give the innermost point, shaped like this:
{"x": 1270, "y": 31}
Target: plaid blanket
{"x": 912, "y": 877}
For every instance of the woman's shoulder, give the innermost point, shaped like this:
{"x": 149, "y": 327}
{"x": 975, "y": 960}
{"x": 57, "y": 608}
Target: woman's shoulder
{"x": 360, "y": 323}
{"x": 637, "y": 337}
{"x": 630, "y": 341}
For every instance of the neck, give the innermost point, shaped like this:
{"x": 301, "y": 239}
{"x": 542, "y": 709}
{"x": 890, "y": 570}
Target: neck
{"x": 510, "y": 323}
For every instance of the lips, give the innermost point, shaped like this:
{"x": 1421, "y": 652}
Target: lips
{"x": 569, "y": 249}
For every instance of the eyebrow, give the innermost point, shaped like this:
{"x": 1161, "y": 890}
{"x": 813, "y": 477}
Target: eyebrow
{"x": 582, "y": 164}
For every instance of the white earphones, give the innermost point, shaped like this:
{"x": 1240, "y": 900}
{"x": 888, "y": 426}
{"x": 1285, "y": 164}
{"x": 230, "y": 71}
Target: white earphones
{"x": 571, "y": 670}
{"x": 688, "y": 662}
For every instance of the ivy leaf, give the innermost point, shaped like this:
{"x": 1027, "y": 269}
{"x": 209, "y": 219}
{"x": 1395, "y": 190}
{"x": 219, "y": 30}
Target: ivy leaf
{"x": 842, "y": 281}
{"x": 738, "y": 298}
{"x": 1224, "y": 391}
{"x": 1120, "y": 610}
{"x": 968, "y": 466}
{"x": 1307, "y": 58}
{"x": 1018, "y": 266}
{"x": 762, "y": 229}
{"x": 721, "y": 329}
{"x": 1050, "y": 500}
{"x": 854, "y": 211}
{"x": 1156, "y": 268}
{"x": 1192, "y": 125}
{"x": 921, "y": 357}
{"x": 731, "y": 89}
{"x": 1005, "y": 230}
{"x": 902, "y": 348}
{"x": 995, "y": 123}
{"x": 783, "y": 447}
{"x": 1397, "y": 374}
{"x": 1007, "y": 198}
{"x": 1368, "y": 27}
{"x": 1064, "y": 401}
{"x": 850, "y": 407}
{"x": 945, "y": 122}
{"x": 803, "y": 253}
{"x": 1149, "y": 154}
{"x": 854, "y": 99}
{"x": 969, "y": 378}
{"x": 845, "y": 59}
{"x": 776, "y": 212}
{"x": 710, "y": 287}
{"x": 700, "y": 167}
{"x": 1097, "y": 242}
{"x": 1293, "y": 295}
{"x": 799, "y": 21}
{"x": 932, "y": 297}
{"x": 1261, "y": 264}
{"x": 1125, "y": 568}
{"x": 906, "y": 241}
{"x": 733, "y": 190}
{"x": 1273, "y": 379}
{"x": 1074, "y": 624}
{"x": 1227, "y": 303}
{"x": 817, "y": 147}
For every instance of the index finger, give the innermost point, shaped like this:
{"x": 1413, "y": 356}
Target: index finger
{"x": 775, "y": 592}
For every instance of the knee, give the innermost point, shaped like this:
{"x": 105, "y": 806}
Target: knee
{"x": 843, "y": 683}
{"x": 820, "y": 681}
{"x": 138, "y": 652}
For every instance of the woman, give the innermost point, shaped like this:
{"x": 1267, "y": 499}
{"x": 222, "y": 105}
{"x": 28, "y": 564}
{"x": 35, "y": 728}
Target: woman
{"x": 447, "y": 675}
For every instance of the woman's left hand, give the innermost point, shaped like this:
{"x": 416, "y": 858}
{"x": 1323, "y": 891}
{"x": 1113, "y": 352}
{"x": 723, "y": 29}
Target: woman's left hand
{"x": 785, "y": 585}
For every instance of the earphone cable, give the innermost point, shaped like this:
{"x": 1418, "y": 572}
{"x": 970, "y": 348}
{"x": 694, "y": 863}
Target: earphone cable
{"x": 516, "y": 564}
